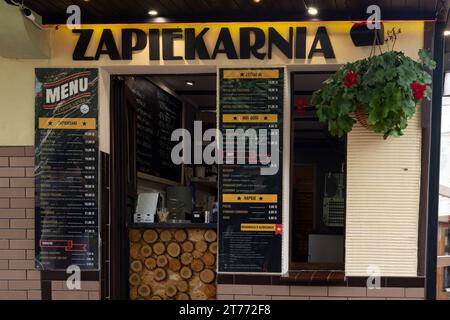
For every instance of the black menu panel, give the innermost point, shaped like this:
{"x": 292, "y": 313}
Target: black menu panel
{"x": 66, "y": 169}
{"x": 158, "y": 115}
{"x": 250, "y": 220}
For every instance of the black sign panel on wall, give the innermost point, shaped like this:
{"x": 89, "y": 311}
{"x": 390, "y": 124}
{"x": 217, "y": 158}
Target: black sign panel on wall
{"x": 158, "y": 115}
{"x": 250, "y": 188}
{"x": 66, "y": 169}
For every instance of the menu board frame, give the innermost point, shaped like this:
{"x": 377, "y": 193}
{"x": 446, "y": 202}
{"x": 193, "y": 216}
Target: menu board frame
{"x": 67, "y": 219}
{"x": 265, "y": 247}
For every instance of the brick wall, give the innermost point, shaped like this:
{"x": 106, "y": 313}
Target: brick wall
{"x": 90, "y": 290}
{"x": 285, "y": 292}
{"x": 18, "y": 279}
{"x": 282, "y": 292}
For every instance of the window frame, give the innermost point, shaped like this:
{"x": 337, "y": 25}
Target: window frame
{"x": 295, "y": 266}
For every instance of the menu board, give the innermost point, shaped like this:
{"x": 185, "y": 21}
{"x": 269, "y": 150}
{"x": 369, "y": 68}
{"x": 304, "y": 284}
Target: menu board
{"x": 66, "y": 169}
{"x": 250, "y": 220}
{"x": 158, "y": 115}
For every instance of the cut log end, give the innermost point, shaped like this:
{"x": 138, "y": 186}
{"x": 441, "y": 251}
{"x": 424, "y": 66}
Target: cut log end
{"x": 208, "y": 259}
{"x": 173, "y": 249}
{"x": 180, "y": 235}
{"x": 185, "y": 273}
{"x": 197, "y": 265}
{"x": 134, "y": 279}
{"x": 186, "y": 258}
{"x": 201, "y": 246}
{"x": 160, "y": 274}
{"x": 146, "y": 251}
{"x": 150, "y": 263}
{"x": 144, "y": 290}
{"x": 174, "y": 265}
{"x": 187, "y": 246}
{"x": 162, "y": 261}
{"x": 165, "y": 236}
{"x": 213, "y": 248}
{"x": 210, "y": 235}
{"x": 171, "y": 291}
{"x": 159, "y": 248}
{"x": 135, "y": 235}
{"x": 150, "y": 236}
{"x": 136, "y": 266}
{"x": 207, "y": 276}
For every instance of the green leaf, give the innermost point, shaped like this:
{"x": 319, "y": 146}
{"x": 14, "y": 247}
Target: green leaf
{"x": 428, "y": 92}
{"x": 426, "y": 59}
{"x": 372, "y": 118}
{"x": 345, "y": 107}
{"x": 390, "y": 73}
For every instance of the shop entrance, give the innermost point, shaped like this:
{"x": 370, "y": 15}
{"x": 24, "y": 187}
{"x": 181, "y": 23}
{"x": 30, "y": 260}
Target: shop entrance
{"x": 145, "y": 110}
{"x": 162, "y": 224}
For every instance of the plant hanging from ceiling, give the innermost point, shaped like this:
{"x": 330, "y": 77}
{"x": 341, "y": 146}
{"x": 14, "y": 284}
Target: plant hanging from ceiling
{"x": 381, "y": 92}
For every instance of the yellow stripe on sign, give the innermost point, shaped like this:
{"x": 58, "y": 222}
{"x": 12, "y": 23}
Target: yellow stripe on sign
{"x": 257, "y": 227}
{"x": 68, "y": 123}
{"x": 251, "y": 74}
{"x": 250, "y": 198}
{"x": 250, "y": 118}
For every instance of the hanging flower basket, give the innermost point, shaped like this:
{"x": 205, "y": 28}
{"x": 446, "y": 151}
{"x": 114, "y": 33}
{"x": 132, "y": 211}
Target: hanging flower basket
{"x": 361, "y": 116}
{"x": 380, "y": 92}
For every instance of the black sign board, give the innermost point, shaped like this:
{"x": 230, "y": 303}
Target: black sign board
{"x": 66, "y": 159}
{"x": 250, "y": 220}
{"x": 158, "y": 115}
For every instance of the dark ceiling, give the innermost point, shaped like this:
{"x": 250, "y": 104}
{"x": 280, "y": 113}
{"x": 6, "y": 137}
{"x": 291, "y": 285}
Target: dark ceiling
{"x": 116, "y": 11}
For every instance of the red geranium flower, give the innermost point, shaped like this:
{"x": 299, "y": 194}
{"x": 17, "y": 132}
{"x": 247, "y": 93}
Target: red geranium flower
{"x": 351, "y": 78}
{"x": 419, "y": 90}
{"x": 300, "y": 104}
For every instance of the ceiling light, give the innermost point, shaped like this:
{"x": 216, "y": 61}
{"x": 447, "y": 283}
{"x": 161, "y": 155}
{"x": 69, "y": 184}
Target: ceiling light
{"x": 190, "y": 83}
{"x": 313, "y": 11}
{"x": 256, "y": 1}
{"x": 153, "y": 13}
{"x": 447, "y": 33}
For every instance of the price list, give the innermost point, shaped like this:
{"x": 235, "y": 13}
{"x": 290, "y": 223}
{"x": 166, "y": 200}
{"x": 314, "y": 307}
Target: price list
{"x": 158, "y": 114}
{"x": 67, "y": 224}
{"x": 250, "y": 179}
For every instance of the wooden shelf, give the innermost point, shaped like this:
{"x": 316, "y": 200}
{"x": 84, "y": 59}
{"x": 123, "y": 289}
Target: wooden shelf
{"x": 144, "y": 176}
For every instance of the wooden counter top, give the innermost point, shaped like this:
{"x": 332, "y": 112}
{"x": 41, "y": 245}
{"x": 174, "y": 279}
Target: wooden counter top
{"x": 172, "y": 225}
